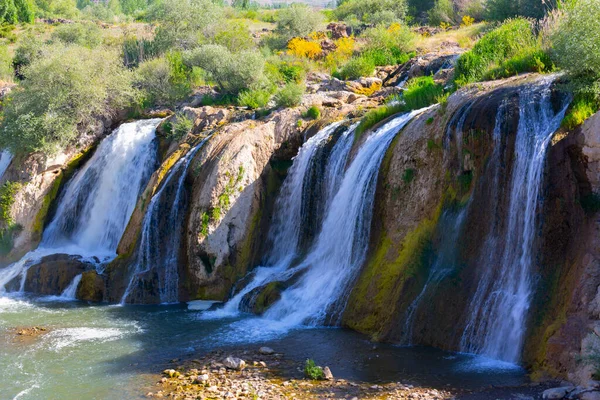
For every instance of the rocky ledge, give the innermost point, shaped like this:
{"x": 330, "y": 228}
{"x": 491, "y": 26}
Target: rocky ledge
{"x": 265, "y": 374}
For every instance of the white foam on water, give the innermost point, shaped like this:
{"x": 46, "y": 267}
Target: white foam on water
{"x": 67, "y": 337}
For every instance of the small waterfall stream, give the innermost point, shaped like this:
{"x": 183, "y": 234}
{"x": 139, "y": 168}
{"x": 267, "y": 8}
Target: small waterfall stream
{"x": 5, "y": 160}
{"x": 320, "y": 293}
{"x": 96, "y": 204}
{"x": 498, "y": 310}
{"x": 162, "y": 230}
{"x": 285, "y": 232}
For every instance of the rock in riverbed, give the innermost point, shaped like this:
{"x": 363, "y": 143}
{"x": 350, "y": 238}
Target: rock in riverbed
{"x": 234, "y": 363}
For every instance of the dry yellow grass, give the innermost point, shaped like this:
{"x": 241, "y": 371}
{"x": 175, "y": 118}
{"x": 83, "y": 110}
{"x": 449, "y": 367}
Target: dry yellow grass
{"x": 465, "y": 36}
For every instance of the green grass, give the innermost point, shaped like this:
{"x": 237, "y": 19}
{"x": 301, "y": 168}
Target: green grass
{"x": 421, "y": 92}
{"x": 583, "y": 107}
{"x": 507, "y": 50}
{"x": 312, "y": 113}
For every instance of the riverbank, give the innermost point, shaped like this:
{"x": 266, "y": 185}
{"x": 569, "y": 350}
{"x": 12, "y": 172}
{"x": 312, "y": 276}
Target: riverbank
{"x": 258, "y": 374}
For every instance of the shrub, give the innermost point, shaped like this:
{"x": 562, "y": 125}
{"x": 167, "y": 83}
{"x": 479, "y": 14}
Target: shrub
{"x": 83, "y": 34}
{"x": 421, "y": 92}
{"x": 180, "y": 128}
{"x": 29, "y": 48}
{"x": 161, "y": 82}
{"x": 313, "y": 112}
{"x": 291, "y": 72}
{"x": 342, "y": 53}
{"x": 313, "y": 371}
{"x": 300, "y": 47}
{"x": 290, "y": 95}
{"x": 357, "y": 67}
{"x": 6, "y": 69}
{"x": 63, "y": 92}
{"x": 575, "y": 44}
{"x": 528, "y": 60}
{"x": 184, "y": 24}
{"x": 57, "y": 9}
{"x": 442, "y": 12}
{"x": 363, "y": 9}
{"x": 137, "y": 50}
{"x": 14, "y": 11}
{"x": 509, "y": 40}
{"x": 7, "y": 198}
{"x": 231, "y": 72}
{"x": 583, "y": 107}
{"x": 387, "y": 46}
{"x": 254, "y": 99}
{"x": 298, "y": 20}
{"x": 377, "y": 115}
{"x": 500, "y": 10}
{"x": 235, "y": 35}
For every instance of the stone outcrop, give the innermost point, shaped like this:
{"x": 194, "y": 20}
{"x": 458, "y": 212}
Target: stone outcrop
{"x": 54, "y": 273}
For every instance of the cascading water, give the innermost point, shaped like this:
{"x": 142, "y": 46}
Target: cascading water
{"x": 71, "y": 290}
{"x": 285, "y": 233}
{"x": 98, "y": 201}
{"x": 320, "y": 294}
{"x": 498, "y": 309}
{"x": 162, "y": 231}
{"x": 5, "y": 159}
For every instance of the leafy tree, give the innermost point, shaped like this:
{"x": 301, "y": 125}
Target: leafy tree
{"x": 442, "y": 11}
{"x": 163, "y": 81}
{"x": 232, "y": 72}
{"x": 298, "y": 20}
{"x": 25, "y": 11}
{"x": 8, "y": 11}
{"x": 365, "y": 9}
{"x": 84, "y": 34}
{"x": 575, "y": 44}
{"x": 57, "y": 8}
{"x": 63, "y": 93}
{"x": 499, "y": 10}
{"x": 184, "y": 24}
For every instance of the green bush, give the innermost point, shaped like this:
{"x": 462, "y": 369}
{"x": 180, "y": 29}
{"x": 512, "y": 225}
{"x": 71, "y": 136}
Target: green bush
{"x": 7, "y": 198}
{"x": 528, "y": 60}
{"x": 298, "y": 20}
{"x": 356, "y": 68}
{"x": 179, "y": 128}
{"x": 313, "y": 112}
{"x": 421, "y": 92}
{"x": 137, "y": 50}
{"x": 184, "y": 24}
{"x": 290, "y": 95}
{"x": 377, "y": 115}
{"x": 57, "y": 9}
{"x": 442, "y": 12}
{"x": 254, "y": 99}
{"x": 388, "y": 46}
{"x": 513, "y": 38}
{"x": 162, "y": 82}
{"x": 63, "y": 92}
{"x": 235, "y": 35}
{"x": 29, "y": 48}
{"x": 313, "y": 371}
{"x": 6, "y": 69}
{"x": 582, "y": 107}
{"x": 363, "y": 10}
{"x": 232, "y": 72}
{"x": 14, "y": 11}
{"x": 500, "y": 10}
{"x": 575, "y": 44}
{"x": 83, "y": 34}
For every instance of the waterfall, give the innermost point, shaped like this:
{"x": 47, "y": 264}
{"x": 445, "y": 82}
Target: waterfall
{"x": 285, "y": 233}
{"x": 340, "y": 249}
{"x": 498, "y": 310}
{"x": 5, "y": 159}
{"x": 162, "y": 229}
{"x": 320, "y": 293}
{"x": 71, "y": 290}
{"x": 96, "y": 204}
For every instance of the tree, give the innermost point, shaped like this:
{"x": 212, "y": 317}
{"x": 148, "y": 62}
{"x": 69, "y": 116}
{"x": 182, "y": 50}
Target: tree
{"x": 298, "y": 20}
{"x": 25, "y": 11}
{"x": 64, "y": 91}
{"x": 8, "y": 11}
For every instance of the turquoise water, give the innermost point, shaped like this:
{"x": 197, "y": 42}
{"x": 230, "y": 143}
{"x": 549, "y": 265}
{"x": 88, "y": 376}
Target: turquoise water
{"x": 114, "y": 352}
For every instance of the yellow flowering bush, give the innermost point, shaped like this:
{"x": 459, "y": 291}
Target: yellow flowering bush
{"x": 467, "y": 21}
{"x": 300, "y": 47}
{"x": 343, "y": 52}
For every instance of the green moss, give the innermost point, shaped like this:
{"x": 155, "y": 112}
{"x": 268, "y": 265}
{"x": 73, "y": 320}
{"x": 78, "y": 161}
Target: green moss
{"x": 7, "y": 198}
{"x": 267, "y": 296}
{"x": 62, "y": 177}
{"x": 373, "y": 303}
{"x": 408, "y": 176}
